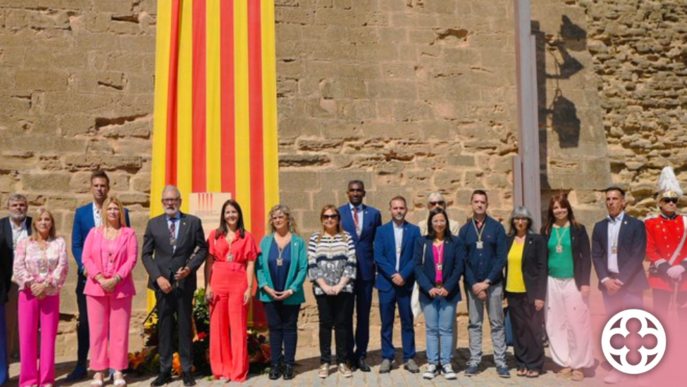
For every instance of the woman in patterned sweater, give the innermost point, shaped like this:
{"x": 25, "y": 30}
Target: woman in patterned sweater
{"x": 332, "y": 267}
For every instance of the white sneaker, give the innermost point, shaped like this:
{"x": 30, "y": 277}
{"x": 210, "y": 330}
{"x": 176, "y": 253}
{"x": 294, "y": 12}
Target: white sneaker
{"x": 447, "y": 370}
{"x": 615, "y": 377}
{"x": 430, "y": 372}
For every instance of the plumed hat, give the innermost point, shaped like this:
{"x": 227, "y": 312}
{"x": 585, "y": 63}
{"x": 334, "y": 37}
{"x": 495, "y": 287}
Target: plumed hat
{"x": 668, "y": 186}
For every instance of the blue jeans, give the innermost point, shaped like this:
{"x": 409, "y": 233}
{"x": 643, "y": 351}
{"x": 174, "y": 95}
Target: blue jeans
{"x": 439, "y": 317}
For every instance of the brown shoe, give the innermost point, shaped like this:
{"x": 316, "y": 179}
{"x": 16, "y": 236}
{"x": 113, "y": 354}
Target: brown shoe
{"x": 565, "y": 372}
{"x": 577, "y": 376}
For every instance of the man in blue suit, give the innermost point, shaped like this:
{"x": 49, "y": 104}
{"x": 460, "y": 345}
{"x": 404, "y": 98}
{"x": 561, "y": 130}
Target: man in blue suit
{"x": 361, "y": 222}
{"x": 618, "y": 249}
{"x": 86, "y": 218}
{"x": 393, "y": 252}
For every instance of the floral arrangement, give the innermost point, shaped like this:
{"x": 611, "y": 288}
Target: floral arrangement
{"x": 147, "y": 360}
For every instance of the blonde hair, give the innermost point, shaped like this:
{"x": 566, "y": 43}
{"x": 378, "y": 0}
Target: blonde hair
{"x": 339, "y": 228}
{"x": 293, "y": 227}
{"x": 36, "y": 236}
{"x": 122, "y": 214}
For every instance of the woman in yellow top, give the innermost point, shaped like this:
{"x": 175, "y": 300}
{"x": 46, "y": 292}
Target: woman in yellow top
{"x": 526, "y": 275}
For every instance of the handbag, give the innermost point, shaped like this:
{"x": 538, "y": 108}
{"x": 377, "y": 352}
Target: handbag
{"x": 415, "y": 296}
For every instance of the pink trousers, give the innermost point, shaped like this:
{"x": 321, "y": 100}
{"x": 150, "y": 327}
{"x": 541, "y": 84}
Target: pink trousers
{"x": 108, "y": 324}
{"x": 32, "y": 313}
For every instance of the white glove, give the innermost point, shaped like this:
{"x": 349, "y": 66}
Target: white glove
{"x": 676, "y": 271}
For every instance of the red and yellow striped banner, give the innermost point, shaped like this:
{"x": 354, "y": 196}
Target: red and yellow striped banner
{"x": 215, "y": 125}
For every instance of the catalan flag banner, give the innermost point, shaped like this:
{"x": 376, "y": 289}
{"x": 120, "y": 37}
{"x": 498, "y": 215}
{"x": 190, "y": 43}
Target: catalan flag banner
{"x": 215, "y": 123}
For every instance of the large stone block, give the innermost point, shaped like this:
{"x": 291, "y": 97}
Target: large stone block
{"x": 45, "y": 182}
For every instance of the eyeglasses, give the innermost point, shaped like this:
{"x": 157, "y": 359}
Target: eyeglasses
{"x": 170, "y": 201}
{"x": 670, "y": 200}
{"x": 325, "y": 217}
{"x": 521, "y": 220}
{"x": 439, "y": 203}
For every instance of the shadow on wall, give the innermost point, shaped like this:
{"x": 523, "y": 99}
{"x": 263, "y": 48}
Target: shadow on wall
{"x": 562, "y": 112}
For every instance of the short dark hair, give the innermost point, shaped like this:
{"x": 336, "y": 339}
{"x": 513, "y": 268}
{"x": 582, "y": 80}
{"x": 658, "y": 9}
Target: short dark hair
{"x": 398, "y": 197}
{"x": 100, "y": 174}
{"x": 357, "y": 182}
{"x": 478, "y": 192}
{"x": 615, "y": 188}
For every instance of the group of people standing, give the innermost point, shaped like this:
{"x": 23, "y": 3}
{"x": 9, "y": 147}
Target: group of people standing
{"x": 545, "y": 279}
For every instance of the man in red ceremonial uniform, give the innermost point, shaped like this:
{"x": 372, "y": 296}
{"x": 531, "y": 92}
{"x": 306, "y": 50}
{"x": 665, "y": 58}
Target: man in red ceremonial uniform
{"x": 666, "y": 248}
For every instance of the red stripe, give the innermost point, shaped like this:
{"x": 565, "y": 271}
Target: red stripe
{"x": 227, "y": 103}
{"x": 171, "y": 148}
{"x": 199, "y": 98}
{"x": 256, "y": 134}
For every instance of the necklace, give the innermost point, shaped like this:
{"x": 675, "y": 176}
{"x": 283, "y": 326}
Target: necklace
{"x": 559, "y": 237}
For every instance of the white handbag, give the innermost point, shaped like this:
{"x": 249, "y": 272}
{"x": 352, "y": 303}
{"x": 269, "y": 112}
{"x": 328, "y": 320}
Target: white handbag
{"x": 415, "y": 297}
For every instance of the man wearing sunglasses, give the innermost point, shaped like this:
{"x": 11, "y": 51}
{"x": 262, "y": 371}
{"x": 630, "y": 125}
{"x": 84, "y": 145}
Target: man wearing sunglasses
{"x": 666, "y": 249}
{"x": 361, "y": 222}
{"x": 436, "y": 199}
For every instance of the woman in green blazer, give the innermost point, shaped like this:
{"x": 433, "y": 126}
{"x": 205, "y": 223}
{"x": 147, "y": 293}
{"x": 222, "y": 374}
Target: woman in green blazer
{"x": 281, "y": 270}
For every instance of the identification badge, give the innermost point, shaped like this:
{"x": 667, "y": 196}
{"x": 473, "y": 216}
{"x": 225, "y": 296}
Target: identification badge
{"x": 230, "y": 257}
{"x": 173, "y": 241}
{"x": 614, "y": 250}
{"x": 280, "y": 262}
{"x": 440, "y": 267}
{"x": 480, "y": 245}
{"x": 559, "y": 249}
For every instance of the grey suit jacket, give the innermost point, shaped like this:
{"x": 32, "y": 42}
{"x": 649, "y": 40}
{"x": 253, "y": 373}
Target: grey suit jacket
{"x": 162, "y": 260}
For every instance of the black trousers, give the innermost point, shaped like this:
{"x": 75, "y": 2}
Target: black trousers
{"x": 175, "y": 309}
{"x": 662, "y": 304}
{"x": 82, "y": 333}
{"x": 282, "y": 320}
{"x": 335, "y": 312}
{"x": 527, "y": 331}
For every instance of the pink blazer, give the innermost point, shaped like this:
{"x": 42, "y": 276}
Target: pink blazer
{"x": 124, "y": 262}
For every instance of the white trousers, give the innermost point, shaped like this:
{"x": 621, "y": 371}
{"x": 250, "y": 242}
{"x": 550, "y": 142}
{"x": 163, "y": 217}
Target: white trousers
{"x": 568, "y": 324}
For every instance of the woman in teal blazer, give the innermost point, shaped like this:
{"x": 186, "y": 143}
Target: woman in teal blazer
{"x": 281, "y": 270}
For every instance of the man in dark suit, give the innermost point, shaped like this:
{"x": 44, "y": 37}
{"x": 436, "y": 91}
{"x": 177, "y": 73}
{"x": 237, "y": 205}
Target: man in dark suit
{"x": 361, "y": 222}
{"x": 85, "y": 219}
{"x": 618, "y": 248}
{"x": 174, "y": 248}
{"x": 13, "y": 228}
{"x": 393, "y": 253}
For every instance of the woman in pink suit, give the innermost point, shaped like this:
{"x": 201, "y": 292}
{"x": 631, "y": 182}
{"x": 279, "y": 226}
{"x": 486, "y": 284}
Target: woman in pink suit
{"x": 109, "y": 255}
{"x": 40, "y": 269}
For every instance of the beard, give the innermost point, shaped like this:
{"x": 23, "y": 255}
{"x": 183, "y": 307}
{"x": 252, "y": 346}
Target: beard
{"x": 17, "y": 217}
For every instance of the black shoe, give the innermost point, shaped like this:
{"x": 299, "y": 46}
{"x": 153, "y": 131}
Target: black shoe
{"x": 161, "y": 380}
{"x": 80, "y": 372}
{"x": 361, "y": 365}
{"x": 189, "y": 380}
{"x": 275, "y": 372}
{"x": 289, "y": 372}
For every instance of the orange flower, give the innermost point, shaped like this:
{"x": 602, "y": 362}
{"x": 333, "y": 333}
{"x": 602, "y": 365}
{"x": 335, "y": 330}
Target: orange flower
{"x": 176, "y": 364}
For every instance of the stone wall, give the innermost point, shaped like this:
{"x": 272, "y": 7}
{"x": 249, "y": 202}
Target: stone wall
{"x": 411, "y": 96}
{"x": 639, "y": 54}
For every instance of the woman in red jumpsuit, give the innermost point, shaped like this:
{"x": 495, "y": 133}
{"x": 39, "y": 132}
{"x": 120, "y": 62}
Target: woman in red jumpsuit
{"x": 229, "y": 277}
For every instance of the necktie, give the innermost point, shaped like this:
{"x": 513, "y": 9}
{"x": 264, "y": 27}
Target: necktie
{"x": 358, "y": 229}
{"x": 172, "y": 231}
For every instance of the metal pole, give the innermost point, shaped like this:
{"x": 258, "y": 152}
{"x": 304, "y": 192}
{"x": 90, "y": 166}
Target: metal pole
{"x": 528, "y": 126}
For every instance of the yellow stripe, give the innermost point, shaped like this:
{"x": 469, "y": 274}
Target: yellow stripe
{"x": 242, "y": 112}
{"x": 269, "y": 104}
{"x": 164, "y": 18}
{"x": 185, "y": 103}
{"x": 213, "y": 100}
